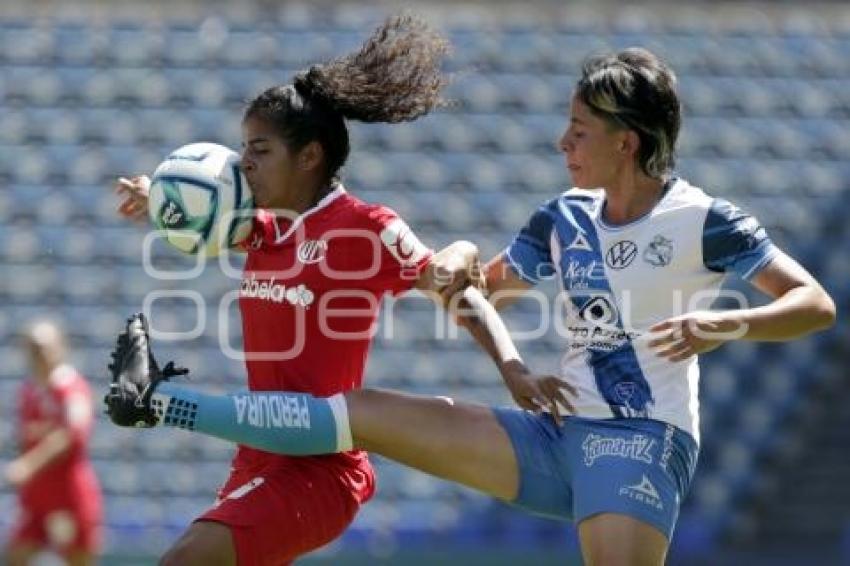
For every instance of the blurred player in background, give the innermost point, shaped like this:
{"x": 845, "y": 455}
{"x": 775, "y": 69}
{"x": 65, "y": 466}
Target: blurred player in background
{"x": 637, "y": 261}
{"x": 311, "y": 289}
{"x": 59, "y": 495}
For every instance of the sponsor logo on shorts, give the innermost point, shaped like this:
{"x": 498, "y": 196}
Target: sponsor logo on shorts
{"x": 639, "y": 448}
{"x": 667, "y": 449}
{"x": 242, "y": 490}
{"x": 644, "y": 492}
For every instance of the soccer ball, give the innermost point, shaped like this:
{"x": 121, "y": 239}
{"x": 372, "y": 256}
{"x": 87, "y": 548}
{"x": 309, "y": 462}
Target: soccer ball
{"x": 200, "y": 200}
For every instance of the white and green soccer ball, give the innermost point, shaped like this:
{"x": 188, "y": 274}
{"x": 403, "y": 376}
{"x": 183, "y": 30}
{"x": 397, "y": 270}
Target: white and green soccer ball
{"x": 200, "y": 200}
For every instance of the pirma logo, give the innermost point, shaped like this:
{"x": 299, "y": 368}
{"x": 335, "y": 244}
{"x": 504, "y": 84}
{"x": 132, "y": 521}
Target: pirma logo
{"x": 644, "y": 492}
{"x": 580, "y": 243}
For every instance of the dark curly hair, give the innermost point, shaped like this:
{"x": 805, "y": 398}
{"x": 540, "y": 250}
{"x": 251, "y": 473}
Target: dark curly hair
{"x": 394, "y": 77}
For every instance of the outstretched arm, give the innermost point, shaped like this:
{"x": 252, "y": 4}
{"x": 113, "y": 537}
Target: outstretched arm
{"x": 453, "y": 278}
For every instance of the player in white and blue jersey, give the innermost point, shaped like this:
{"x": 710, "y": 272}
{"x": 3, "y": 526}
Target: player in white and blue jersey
{"x": 611, "y": 443}
{"x": 621, "y": 279}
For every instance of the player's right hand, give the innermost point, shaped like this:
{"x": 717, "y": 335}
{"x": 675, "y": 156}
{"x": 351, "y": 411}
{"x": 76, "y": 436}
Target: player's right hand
{"x": 135, "y": 192}
{"x": 450, "y": 271}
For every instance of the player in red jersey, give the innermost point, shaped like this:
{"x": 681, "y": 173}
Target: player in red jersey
{"x": 319, "y": 261}
{"x": 59, "y": 495}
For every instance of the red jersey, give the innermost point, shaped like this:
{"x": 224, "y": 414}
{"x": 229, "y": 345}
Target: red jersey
{"x": 310, "y": 294}
{"x": 65, "y": 402}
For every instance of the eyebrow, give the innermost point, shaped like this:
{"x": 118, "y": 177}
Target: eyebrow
{"x": 578, "y": 121}
{"x": 255, "y": 141}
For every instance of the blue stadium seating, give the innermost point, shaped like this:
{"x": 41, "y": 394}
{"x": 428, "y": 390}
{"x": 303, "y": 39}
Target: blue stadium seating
{"x": 767, "y": 125}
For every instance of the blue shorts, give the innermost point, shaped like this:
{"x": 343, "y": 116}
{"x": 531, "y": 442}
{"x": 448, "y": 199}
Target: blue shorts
{"x": 636, "y": 467}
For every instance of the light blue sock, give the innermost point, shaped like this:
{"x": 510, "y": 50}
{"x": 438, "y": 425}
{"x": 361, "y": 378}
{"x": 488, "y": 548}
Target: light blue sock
{"x": 281, "y": 422}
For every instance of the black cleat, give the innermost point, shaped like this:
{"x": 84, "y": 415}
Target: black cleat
{"x": 135, "y": 374}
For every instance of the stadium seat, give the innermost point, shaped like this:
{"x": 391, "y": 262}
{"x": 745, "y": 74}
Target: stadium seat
{"x": 182, "y": 47}
{"x": 134, "y": 46}
{"x": 76, "y": 44}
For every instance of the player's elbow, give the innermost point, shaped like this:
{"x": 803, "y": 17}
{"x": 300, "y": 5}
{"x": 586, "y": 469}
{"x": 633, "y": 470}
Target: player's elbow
{"x": 823, "y": 311}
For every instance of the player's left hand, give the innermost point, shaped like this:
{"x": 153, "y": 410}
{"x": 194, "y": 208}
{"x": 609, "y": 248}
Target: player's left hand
{"x": 681, "y": 337}
{"x": 540, "y": 392}
{"x": 17, "y": 473}
{"x": 134, "y": 191}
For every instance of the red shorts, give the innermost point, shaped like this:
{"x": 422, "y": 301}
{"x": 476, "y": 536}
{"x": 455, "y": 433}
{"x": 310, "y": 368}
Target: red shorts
{"x": 283, "y": 510}
{"x": 64, "y": 531}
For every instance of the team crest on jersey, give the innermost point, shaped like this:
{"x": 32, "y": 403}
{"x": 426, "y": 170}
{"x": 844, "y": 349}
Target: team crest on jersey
{"x": 624, "y": 391}
{"x": 621, "y": 254}
{"x": 660, "y": 251}
{"x": 402, "y": 243}
{"x": 312, "y": 251}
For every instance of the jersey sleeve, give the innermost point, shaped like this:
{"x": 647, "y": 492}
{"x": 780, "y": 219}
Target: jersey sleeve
{"x": 529, "y": 254}
{"x": 401, "y": 256}
{"x": 733, "y": 240}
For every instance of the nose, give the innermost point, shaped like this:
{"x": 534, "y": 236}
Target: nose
{"x": 564, "y": 145}
{"x": 245, "y": 162}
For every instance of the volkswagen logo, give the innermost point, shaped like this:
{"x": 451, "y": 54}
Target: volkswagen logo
{"x": 621, "y": 254}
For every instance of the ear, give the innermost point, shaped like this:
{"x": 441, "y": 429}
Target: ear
{"x": 630, "y": 143}
{"x": 311, "y": 156}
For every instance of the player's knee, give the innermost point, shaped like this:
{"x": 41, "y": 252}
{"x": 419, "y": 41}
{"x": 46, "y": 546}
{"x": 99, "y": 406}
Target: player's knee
{"x": 638, "y": 543}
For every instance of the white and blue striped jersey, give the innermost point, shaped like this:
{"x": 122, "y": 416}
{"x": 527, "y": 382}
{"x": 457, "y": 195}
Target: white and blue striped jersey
{"x": 617, "y": 281}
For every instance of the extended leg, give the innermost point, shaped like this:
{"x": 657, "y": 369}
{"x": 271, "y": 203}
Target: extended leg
{"x": 461, "y": 442}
